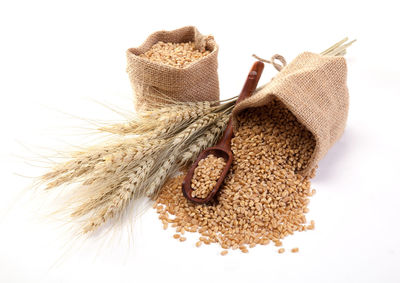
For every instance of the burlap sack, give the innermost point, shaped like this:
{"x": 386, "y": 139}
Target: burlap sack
{"x": 313, "y": 87}
{"x": 196, "y": 82}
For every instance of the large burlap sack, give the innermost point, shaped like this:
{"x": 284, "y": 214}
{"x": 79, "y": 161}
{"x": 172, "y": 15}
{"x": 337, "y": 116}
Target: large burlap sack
{"x": 313, "y": 87}
{"x": 152, "y": 80}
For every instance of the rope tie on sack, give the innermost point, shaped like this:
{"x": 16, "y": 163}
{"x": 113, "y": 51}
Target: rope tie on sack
{"x": 201, "y": 44}
{"x": 278, "y": 57}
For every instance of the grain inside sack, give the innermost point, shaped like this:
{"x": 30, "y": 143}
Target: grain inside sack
{"x": 178, "y": 55}
{"x": 178, "y": 65}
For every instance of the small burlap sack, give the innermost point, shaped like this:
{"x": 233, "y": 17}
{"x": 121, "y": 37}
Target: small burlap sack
{"x": 313, "y": 87}
{"x": 152, "y": 80}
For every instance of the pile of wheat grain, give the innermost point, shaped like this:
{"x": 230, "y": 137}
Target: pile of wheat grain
{"x": 264, "y": 198}
{"x": 178, "y": 55}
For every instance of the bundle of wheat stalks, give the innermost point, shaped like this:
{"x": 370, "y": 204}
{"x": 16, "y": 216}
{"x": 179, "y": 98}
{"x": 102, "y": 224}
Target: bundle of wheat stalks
{"x": 146, "y": 151}
{"x": 143, "y": 154}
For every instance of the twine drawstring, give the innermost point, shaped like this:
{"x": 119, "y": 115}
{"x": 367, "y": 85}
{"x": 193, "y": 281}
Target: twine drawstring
{"x": 278, "y": 57}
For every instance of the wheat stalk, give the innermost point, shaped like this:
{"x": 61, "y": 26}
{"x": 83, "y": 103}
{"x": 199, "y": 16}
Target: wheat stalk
{"x": 338, "y": 49}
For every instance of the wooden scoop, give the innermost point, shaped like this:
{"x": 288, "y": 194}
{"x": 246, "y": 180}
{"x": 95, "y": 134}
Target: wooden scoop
{"x": 223, "y": 147}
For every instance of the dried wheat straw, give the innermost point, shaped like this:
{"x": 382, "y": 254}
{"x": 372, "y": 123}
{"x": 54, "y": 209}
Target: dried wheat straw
{"x": 114, "y": 174}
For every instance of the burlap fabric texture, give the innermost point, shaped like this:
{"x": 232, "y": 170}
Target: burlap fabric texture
{"x": 151, "y": 80}
{"x": 313, "y": 87}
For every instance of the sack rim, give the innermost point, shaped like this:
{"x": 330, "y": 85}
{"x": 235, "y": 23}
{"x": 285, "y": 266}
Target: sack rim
{"x": 133, "y": 55}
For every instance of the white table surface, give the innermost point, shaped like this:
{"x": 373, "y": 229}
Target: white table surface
{"x": 63, "y": 56}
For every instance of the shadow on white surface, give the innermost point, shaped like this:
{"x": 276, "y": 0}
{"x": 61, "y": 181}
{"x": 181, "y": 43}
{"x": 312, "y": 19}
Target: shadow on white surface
{"x": 330, "y": 166}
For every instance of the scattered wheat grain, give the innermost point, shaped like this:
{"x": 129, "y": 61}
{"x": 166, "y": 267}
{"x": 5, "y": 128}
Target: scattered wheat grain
{"x": 224, "y": 252}
{"x": 263, "y": 198}
{"x": 295, "y": 250}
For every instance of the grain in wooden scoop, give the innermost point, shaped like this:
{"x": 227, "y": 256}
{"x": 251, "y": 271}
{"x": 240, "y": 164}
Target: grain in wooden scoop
{"x": 206, "y": 175}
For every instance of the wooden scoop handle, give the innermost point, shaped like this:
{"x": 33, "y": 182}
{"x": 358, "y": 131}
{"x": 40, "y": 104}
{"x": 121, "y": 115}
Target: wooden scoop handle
{"x": 223, "y": 148}
{"x": 249, "y": 87}
{"x": 252, "y": 80}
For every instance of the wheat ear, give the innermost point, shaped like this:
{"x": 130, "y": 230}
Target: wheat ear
{"x": 167, "y": 121}
{"x": 102, "y": 194}
{"x": 170, "y": 166}
{"x": 96, "y": 162}
{"x": 207, "y": 139}
{"x": 118, "y": 200}
{"x": 157, "y": 118}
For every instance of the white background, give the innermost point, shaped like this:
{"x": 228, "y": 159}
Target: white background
{"x": 57, "y": 57}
